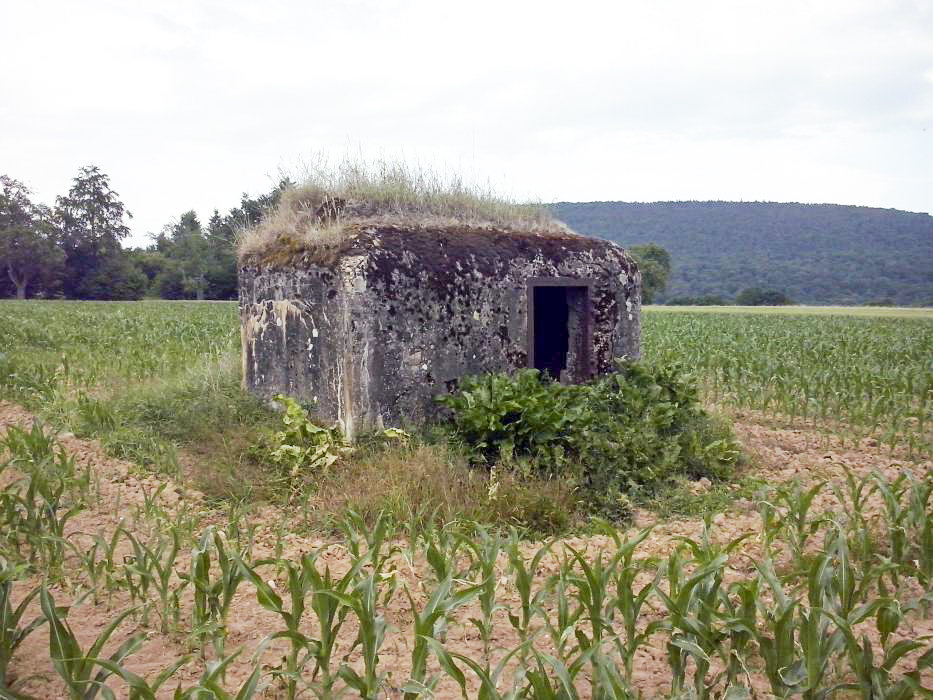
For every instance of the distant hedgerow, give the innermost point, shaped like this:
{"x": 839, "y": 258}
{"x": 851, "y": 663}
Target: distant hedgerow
{"x": 623, "y": 434}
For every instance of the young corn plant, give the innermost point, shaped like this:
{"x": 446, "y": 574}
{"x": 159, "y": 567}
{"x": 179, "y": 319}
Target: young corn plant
{"x": 9, "y": 514}
{"x": 593, "y": 591}
{"x": 898, "y": 519}
{"x": 776, "y": 636}
{"x": 55, "y": 513}
{"x": 849, "y": 587}
{"x": 30, "y": 448}
{"x": 91, "y": 563}
{"x": 738, "y": 616}
{"x": 139, "y": 687}
{"x": 629, "y": 600}
{"x": 485, "y": 549}
{"x": 489, "y": 681}
{"x": 150, "y": 516}
{"x": 364, "y": 542}
{"x": 101, "y": 566}
{"x": 691, "y": 601}
{"x": 854, "y": 499}
{"x": 75, "y": 666}
{"x": 363, "y": 602}
{"x": 444, "y": 547}
{"x": 185, "y": 519}
{"x": 799, "y": 525}
{"x": 331, "y": 615}
{"x": 36, "y": 508}
{"x": 138, "y": 575}
{"x": 819, "y": 636}
{"x": 413, "y": 529}
{"x": 299, "y": 586}
{"x": 920, "y": 528}
{"x": 239, "y": 529}
{"x": 154, "y": 566}
{"x": 925, "y": 558}
{"x": 152, "y": 508}
{"x": 561, "y": 627}
{"x": 304, "y": 582}
{"x": 210, "y": 686}
{"x": 431, "y": 620}
{"x": 12, "y": 630}
{"x": 873, "y": 679}
{"x": 550, "y": 679}
{"x": 20, "y": 537}
{"x": 213, "y": 590}
{"x": 771, "y": 527}
{"x": 523, "y": 578}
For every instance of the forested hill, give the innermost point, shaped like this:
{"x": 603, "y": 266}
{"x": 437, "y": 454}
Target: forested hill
{"x": 814, "y": 253}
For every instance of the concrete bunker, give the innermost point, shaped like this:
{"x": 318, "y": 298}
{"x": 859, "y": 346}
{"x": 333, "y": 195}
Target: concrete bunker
{"x": 374, "y": 323}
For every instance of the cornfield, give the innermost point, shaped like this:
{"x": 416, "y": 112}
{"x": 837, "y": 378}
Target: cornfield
{"x": 825, "y": 590}
{"x": 860, "y": 377}
{"x": 50, "y": 346}
{"x": 810, "y": 603}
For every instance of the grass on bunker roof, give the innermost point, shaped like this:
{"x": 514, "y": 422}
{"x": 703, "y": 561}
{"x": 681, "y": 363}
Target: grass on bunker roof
{"x": 318, "y": 212}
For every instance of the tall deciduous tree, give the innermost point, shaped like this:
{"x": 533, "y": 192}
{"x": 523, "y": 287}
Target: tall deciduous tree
{"x": 222, "y": 270}
{"x": 655, "y": 265}
{"x": 186, "y": 246}
{"x": 91, "y": 221}
{"x": 28, "y": 253}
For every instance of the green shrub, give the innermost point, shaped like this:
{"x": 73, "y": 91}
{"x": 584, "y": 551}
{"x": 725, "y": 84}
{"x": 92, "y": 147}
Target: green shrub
{"x": 302, "y": 445}
{"x": 754, "y": 296}
{"x": 619, "y": 436}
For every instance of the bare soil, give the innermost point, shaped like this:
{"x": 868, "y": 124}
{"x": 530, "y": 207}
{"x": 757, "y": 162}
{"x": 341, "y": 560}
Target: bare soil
{"x": 120, "y": 494}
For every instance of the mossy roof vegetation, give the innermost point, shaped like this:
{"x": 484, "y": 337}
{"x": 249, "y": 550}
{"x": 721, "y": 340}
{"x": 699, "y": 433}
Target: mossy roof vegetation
{"x": 331, "y": 204}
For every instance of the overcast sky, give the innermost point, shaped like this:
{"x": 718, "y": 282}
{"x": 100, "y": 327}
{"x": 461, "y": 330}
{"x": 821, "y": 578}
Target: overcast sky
{"x": 188, "y": 104}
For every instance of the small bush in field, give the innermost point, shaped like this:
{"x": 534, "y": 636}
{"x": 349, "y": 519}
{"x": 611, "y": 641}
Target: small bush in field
{"x": 626, "y": 432}
{"x": 302, "y": 445}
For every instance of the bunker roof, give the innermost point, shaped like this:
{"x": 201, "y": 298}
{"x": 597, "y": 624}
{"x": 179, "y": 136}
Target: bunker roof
{"x": 324, "y": 217}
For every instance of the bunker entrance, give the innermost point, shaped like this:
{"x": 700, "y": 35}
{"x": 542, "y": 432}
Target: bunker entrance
{"x": 559, "y": 329}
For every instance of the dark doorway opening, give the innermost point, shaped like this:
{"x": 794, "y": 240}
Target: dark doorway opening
{"x": 559, "y": 328}
{"x": 551, "y": 334}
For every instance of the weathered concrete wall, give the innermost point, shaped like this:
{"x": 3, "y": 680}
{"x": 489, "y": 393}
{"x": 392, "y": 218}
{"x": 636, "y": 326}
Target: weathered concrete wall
{"x": 292, "y": 334}
{"x": 397, "y": 317}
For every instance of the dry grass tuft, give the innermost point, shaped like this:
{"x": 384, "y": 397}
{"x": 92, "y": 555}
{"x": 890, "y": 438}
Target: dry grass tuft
{"x": 438, "y": 483}
{"x": 319, "y": 212}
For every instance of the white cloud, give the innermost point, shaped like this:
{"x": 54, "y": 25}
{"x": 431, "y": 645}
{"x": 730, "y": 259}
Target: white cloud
{"x": 189, "y": 104}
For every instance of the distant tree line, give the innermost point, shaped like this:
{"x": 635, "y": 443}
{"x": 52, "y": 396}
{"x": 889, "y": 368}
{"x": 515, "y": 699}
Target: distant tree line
{"x": 813, "y": 253}
{"x": 752, "y": 296}
{"x": 73, "y": 248}
{"x": 655, "y": 265}
{"x": 701, "y": 252}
